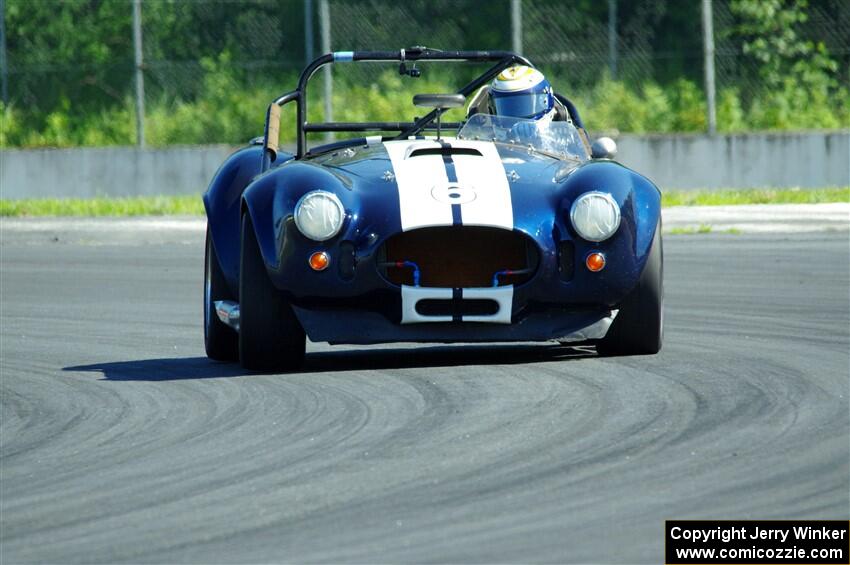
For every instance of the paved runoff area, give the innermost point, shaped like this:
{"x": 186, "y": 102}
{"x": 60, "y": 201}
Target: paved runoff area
{"x": 121, "y": 442}
{"x": 761, "y": 218}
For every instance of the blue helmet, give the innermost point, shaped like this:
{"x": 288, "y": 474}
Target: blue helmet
{"x": 522, "y": 92}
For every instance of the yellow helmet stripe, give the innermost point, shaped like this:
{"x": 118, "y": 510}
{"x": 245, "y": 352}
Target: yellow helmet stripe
{"x": 515, "y": 72}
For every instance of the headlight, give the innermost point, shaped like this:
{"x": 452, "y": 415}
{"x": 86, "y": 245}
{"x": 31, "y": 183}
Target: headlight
{"x": 319, "y": 215}
{"x": 595, "y": 216}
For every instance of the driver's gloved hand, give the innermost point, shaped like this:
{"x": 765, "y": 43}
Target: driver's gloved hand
{"x": 524, "y": 131}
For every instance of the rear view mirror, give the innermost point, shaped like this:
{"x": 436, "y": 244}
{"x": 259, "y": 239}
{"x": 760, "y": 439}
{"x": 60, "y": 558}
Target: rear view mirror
{"x": 441, "y": 101}
{"x": 603, "y": 148}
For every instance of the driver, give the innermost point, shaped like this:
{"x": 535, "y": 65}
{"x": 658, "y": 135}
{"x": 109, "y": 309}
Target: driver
{"x": 523, "y": 92}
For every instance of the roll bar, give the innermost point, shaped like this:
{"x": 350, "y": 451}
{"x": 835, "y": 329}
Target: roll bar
{"x": 502, "y": 59}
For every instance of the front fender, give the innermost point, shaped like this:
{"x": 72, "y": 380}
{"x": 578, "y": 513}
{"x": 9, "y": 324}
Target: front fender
{"x": 222, "y": 200}
{"x": 223, "y": 204}
{"x": 270, "y": 201}
{"x": 628, "y": 249}
{"x": 638, "y": 197}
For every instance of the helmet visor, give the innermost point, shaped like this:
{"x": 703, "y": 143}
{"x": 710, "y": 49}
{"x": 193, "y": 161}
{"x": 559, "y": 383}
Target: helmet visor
{"x": 522, "y": 105}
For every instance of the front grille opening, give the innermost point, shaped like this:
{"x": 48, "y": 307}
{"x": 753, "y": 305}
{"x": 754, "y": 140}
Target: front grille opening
{"x": 454, "y": 308}
{"x": 459, "y": 257}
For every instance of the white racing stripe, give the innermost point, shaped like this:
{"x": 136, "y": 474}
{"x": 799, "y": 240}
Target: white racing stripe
{"x": 424, "y": 186}
{"x": 471, "y": 190}
{"x": 486, "y": 175}
{"x": 415, "y": 178}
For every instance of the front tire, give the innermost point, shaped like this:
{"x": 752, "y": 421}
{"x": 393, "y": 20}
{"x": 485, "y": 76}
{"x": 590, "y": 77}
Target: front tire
{"x": 638, "y": 329}
{"x": 220, "y": 340}
{"x": 270, "y": 337}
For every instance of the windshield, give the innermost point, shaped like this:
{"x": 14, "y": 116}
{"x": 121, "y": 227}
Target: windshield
{"x": 557, "y": 139}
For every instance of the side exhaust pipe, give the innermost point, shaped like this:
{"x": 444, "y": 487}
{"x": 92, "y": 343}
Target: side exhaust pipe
{"x": 228, "y": 313}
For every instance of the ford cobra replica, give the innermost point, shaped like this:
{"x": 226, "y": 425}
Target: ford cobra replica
{"x": 480, "y": 231}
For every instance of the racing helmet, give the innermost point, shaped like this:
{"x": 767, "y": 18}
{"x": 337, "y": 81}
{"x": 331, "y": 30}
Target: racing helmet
{"x": 521, "y": 92}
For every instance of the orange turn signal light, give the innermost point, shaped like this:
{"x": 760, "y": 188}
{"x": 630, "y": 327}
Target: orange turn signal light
{"x": 595, "y": 262}
{"x": 319, "y": 261}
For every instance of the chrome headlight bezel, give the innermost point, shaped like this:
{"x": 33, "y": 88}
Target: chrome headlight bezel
{"x": 575, "y": 209}
{"x": 327, "y": 196}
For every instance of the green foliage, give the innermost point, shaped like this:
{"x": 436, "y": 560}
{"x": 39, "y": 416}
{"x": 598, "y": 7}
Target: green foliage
{"x": 769, "y": 30}
{"x": 798, "y": 75}
{"x": 612, "y": 105}
{"x": 730, "y": 113}
{"x": 211, "y": 67}
{"x": 228, "y": 113}
{"x": 80, "y": 56}
{"x": 688, "y": 106}
{"x": 388, "y": 98}
{"x": 10, "y": 126}
{"x": 64, "y": 127}
{"x": 649, "y": 108}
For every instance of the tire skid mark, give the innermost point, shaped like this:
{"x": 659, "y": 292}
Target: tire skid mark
{"x": 456, "y": 454}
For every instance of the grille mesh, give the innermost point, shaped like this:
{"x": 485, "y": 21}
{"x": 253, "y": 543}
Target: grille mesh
{"x": 460, "y": 256}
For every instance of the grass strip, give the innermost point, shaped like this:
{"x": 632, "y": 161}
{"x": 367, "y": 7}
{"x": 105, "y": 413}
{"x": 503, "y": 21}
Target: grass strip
{"x": 184, "y": 205}
{"x": 729, "y": 197}
{"x": 191, "y": 205}
{"x": 691, "y": 230}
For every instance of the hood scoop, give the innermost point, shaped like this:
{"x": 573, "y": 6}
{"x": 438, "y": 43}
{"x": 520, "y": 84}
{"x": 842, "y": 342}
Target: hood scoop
{"x": 445, "y": 151}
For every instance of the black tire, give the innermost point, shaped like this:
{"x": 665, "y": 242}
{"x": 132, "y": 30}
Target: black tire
{"x": 220, "y": 340}
{"x": 638, "y": 329}
{"x": 270, "y": 337}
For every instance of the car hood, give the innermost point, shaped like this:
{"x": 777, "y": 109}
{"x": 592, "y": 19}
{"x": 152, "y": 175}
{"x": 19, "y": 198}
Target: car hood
{"x": 451, "y": 181}
{"x": 384, "y": 162}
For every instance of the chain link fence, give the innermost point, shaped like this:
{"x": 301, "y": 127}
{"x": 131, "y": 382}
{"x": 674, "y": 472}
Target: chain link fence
{"x": 211, "y": 66}
{"x": 825, "y": 21}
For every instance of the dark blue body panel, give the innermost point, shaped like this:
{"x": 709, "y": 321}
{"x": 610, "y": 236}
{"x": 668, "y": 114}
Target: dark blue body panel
{"x": 223, "y": 204}
{"x": 359, "y": 305}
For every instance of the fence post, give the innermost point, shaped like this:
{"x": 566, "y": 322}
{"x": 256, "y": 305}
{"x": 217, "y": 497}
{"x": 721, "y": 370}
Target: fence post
{"x": 325, "y": 24}
{"x": 612, "y": 38}
{"x": 308, "y": 31}
{"x": 140, "y": 77}
{"x": 516, "y": 26}
{"x": 708, "y": 52}
{"x": 4, "y": 69}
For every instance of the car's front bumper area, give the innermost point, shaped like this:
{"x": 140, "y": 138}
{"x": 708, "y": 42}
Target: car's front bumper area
{"x": 357, "y": 256}
{"x": 357, "y": 300}
{"x": 367, "y": 327}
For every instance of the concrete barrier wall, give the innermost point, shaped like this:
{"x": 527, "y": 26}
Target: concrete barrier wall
{"x": 805, "y": 159}
{"x": 108, "y": 171}
{"x": 809, "y": 160}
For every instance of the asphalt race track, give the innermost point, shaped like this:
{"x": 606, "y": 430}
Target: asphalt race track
{"x": 120, "y": 442}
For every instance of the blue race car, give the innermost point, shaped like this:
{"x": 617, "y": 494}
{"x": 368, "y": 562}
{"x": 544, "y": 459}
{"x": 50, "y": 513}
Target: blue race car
{"x": 498, "y": 232}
